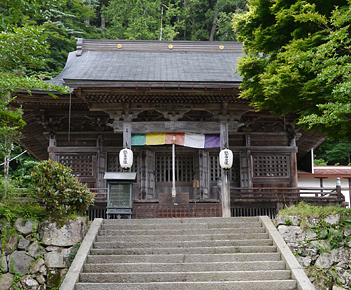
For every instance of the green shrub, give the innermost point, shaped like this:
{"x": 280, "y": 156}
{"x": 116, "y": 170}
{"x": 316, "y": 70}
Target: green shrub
{"x": 61, "y": 193}
{"x": 7, "y": 188}
{"x": 15, "y": 202}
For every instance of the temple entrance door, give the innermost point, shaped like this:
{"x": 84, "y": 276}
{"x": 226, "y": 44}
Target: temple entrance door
{"x": 183, "y": 173}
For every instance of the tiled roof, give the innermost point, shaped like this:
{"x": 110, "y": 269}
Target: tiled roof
{"x": 328, "y": 171}
{"x": 151, "y": 61}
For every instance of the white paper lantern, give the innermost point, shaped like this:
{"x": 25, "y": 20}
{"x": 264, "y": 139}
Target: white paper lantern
{"x": 226, "y": 158}
{"x": 126, "y": 158}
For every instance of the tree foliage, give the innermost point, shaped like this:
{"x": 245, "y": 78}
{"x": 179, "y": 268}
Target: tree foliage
{"x": 181, "y": 19}
{"x": 21, "y": 48}
{"x": 298, "y": 61}
{"x": 334, "y": 153}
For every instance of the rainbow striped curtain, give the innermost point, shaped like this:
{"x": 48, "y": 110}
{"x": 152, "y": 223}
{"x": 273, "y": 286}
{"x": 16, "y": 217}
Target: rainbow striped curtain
{"x": 183, "y": 139}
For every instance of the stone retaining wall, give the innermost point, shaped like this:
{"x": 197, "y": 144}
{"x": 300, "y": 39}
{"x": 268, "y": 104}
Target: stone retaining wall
{"x": 322, "y": 247}
{"x": 39, "y": 254}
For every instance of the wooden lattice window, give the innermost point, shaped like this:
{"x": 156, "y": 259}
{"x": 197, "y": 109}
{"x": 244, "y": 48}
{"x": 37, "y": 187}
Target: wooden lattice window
{"x": 184, "y": 168}
{"x": 215, "y": 169}
{"x": 271, "y": 165}
{"x": 113, "y": 163}
{"x": 82, "y": 165}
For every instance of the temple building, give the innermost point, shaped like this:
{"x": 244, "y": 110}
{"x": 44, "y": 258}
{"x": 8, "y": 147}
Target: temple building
{"x": 149, "y": 95}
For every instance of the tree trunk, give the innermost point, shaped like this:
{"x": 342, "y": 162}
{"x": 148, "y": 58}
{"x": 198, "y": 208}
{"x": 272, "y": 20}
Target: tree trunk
{"x": 7, "y": 160}
{"x": 184, "y": 21}
{"x": 214, "y": 25}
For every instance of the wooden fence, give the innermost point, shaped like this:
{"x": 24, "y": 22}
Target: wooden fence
{"x": 287, "y": 195}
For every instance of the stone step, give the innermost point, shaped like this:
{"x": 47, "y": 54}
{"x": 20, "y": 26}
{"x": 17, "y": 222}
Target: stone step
{"x": 108, "y": 235}
{"x": 171, "y": 231}
{"x": 145, "y": 277}
{"x": 177, "y": 244}
{"x": 232, "y": 285}
{"x": 174, "y": 226}
{"x": 183, "y": 267}
{"x": 193, "y": 250}
{"x": 100, "y": 256}
{"x": 181, "y": 220}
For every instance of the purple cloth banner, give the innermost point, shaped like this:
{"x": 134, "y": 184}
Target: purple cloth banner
{"x": 212, "y": 141}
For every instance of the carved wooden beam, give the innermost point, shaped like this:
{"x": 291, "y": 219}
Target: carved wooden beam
{"x": 174, "y": 126}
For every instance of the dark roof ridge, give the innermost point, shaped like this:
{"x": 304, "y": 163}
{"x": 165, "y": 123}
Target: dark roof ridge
{"x": 157, "y": 46}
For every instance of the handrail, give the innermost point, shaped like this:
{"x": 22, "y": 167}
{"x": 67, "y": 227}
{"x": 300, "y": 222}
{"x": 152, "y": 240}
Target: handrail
{"x": 287, "y": 194}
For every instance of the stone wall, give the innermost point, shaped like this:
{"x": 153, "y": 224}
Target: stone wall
{"x": 322, "y": 247}
{"x": 39, "y": 254}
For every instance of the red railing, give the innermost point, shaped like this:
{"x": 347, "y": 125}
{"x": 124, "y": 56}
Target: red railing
{"x": 190, "y": 210}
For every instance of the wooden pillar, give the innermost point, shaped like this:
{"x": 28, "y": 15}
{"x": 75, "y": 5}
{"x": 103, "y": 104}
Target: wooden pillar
{"x": 127, "y": 134}
{"x": 293, "y": 158}
{"x": 204, "y": 182}
{"x": 102, "y": 162}
{"x": 225, "y": 190}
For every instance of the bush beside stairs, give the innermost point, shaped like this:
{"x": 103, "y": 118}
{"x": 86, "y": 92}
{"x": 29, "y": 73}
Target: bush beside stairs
{"x": 186, "y": 253}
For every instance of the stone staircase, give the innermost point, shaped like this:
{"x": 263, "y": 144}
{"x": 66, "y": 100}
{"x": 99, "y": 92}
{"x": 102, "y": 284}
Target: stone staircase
{"x": 187, "y": 253}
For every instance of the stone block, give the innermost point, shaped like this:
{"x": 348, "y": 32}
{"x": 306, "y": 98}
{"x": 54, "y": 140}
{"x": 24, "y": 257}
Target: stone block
{"x": 69, "y": 234}
{"x": 332, "y": 219}
{"x": 42, "y": 270}
{"x": 283, "y": 220}
{"x": 36, "y": 266}
{"x": 23, "y": 243}
{"x": 11, "y": 245}
{"x": 19, "y": 262}
{"x": 51, "y": 248}
{"x": 323, "y": 245}
{"x": 340, "y": 255}
{"x": 311, "y": 235}
{"x": 292, "y": 234}
{"x": 304, "y": 261}
{"x": 41, "y": 279}
{"x": 312, "y": 222}
{"x": 34, "y": 249}
{"x": 6, "y": 281}
{"x": 324, "y": 261}
{"x": 26, "y": 227}
{"x": 54, "y": 260}
{"x": 4, "y": 264}
{"x": 29, "y": 283}
{"x": 347, "y": 231}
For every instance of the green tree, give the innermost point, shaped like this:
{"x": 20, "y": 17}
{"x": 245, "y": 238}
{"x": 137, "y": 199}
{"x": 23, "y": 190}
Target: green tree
{"x": 210, "y": 20}
{"x": 10, "y": 125}
{"x": 21, "y": 48}
{"x": 334, "y": 153}
{"x": 181, "y": 19}
{"x": 20, "y": 12}
{"x": 22, "y": 165}
{"x": 61, "y": 26}
{"x": 137, "y": 19}
{"x": 297, "y": 61}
